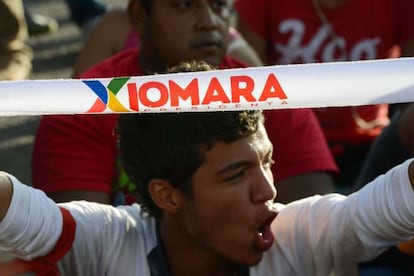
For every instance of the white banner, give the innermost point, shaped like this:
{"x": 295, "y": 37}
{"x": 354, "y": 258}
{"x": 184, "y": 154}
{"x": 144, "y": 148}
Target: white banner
{"x": 270, "y": 87}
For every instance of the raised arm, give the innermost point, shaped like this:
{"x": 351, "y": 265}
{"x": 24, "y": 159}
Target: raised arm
{"x": 370, "y": 220}
{"x": 251, "y": 22}
{"x": 411, "y": 174}
{"x": 6, "y": 192}
{"x": 258, "y": 43}
{"x": 113, "y": 24}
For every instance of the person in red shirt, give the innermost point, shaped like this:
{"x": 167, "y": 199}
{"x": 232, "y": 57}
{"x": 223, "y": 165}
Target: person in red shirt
{"x": 76, "y": 156}
{"x": 309, "y": 31}
{"x": 116, "y": 24}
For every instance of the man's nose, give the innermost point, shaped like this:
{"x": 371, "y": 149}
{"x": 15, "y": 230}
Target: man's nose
{"x": 207, "y": 18}
{"x": 263, "y": 189}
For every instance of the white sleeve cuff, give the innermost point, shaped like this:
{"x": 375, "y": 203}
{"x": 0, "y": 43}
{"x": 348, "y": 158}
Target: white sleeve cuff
{"x": 32, "y": 225}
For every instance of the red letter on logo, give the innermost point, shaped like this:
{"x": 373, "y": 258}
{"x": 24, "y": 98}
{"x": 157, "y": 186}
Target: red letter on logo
{"x": 215, "y": 93}
{"x": 143, "y": 94}
{"x": 272, "y": 89}
{"x": 133, "y": 96}
{"x": 191, "y": 91}
{"x": 237, "y": 91}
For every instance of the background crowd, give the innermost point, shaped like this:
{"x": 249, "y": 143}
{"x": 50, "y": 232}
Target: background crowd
{"x": 54, "y": 53}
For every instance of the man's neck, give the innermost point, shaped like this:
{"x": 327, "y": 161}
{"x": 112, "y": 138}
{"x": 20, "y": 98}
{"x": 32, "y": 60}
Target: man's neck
{"x": 186, "y": 257}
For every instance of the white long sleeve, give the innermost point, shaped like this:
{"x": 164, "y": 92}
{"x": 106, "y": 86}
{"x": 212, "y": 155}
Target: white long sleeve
{"x": 32, "y": 224}
{"x": 329, "y": 235}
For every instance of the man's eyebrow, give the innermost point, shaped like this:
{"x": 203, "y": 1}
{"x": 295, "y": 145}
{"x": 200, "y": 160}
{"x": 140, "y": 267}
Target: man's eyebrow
{"x": 233, "y": 166}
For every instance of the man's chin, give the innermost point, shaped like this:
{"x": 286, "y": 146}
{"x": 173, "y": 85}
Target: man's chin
{"x": 214, "y": 59}
{"x": 253, "y": 260}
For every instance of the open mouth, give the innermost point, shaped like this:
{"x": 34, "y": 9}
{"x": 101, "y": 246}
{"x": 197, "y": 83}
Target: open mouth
{"x": 265, "y": 238}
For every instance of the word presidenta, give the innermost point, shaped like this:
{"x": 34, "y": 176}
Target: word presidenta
{"x": 197, "y": 93}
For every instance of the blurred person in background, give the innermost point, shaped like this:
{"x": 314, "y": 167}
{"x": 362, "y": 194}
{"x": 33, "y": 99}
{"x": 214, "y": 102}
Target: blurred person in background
{"x": 116, "y": 24}
{"x": 170, "y": 32}
{"x": 309, "y": 31}
{"x": 84, "y": 13}
{"x": 15, "y": 53}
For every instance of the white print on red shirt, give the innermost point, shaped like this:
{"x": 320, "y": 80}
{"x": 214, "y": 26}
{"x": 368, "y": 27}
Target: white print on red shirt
{"x": 330, "y": 50}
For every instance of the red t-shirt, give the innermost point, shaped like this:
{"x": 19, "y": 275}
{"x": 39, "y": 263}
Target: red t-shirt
{"x": 365, "y": 29}
{"x": 79, "y": 152}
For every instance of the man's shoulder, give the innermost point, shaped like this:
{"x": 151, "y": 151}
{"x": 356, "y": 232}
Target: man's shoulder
{"x": 124, "y": 63}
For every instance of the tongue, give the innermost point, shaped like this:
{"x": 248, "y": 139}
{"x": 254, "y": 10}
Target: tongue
{"x": 265, "y": 239}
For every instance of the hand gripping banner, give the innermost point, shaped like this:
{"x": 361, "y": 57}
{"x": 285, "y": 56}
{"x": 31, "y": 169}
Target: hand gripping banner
{"x": 270, "y": 87}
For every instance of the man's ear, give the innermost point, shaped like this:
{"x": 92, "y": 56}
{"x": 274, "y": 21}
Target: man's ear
{"x": 138, "y": 16}
{"x": 164, "y": 195}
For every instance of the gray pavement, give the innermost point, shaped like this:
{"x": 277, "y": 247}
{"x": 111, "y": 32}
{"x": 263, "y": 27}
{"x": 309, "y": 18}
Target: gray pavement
{"x": 54, "y": 56}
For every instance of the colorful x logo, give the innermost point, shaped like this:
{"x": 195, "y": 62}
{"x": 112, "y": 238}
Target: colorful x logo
{"x": 106, "y": 95}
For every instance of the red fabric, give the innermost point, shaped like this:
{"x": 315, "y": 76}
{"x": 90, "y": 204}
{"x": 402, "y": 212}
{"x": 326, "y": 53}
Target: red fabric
{"x": 368, "y": 28}
{"x": 46, "y": 265}
{"x": 356, "y": 20}
{"x": 79, "y": 152}
{"x": 299, "y": 144}
{"x": 74, "y": 152}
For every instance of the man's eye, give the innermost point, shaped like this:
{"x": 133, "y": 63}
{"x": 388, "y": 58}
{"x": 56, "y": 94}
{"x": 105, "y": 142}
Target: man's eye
{"x": 220, "y": 5}
{"x": 182, "y": 5}
{"x": 235, "y": 177}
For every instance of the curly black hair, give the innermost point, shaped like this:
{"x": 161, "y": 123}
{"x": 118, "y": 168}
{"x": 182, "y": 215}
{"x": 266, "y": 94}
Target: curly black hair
{"x": 171, "y": 146}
